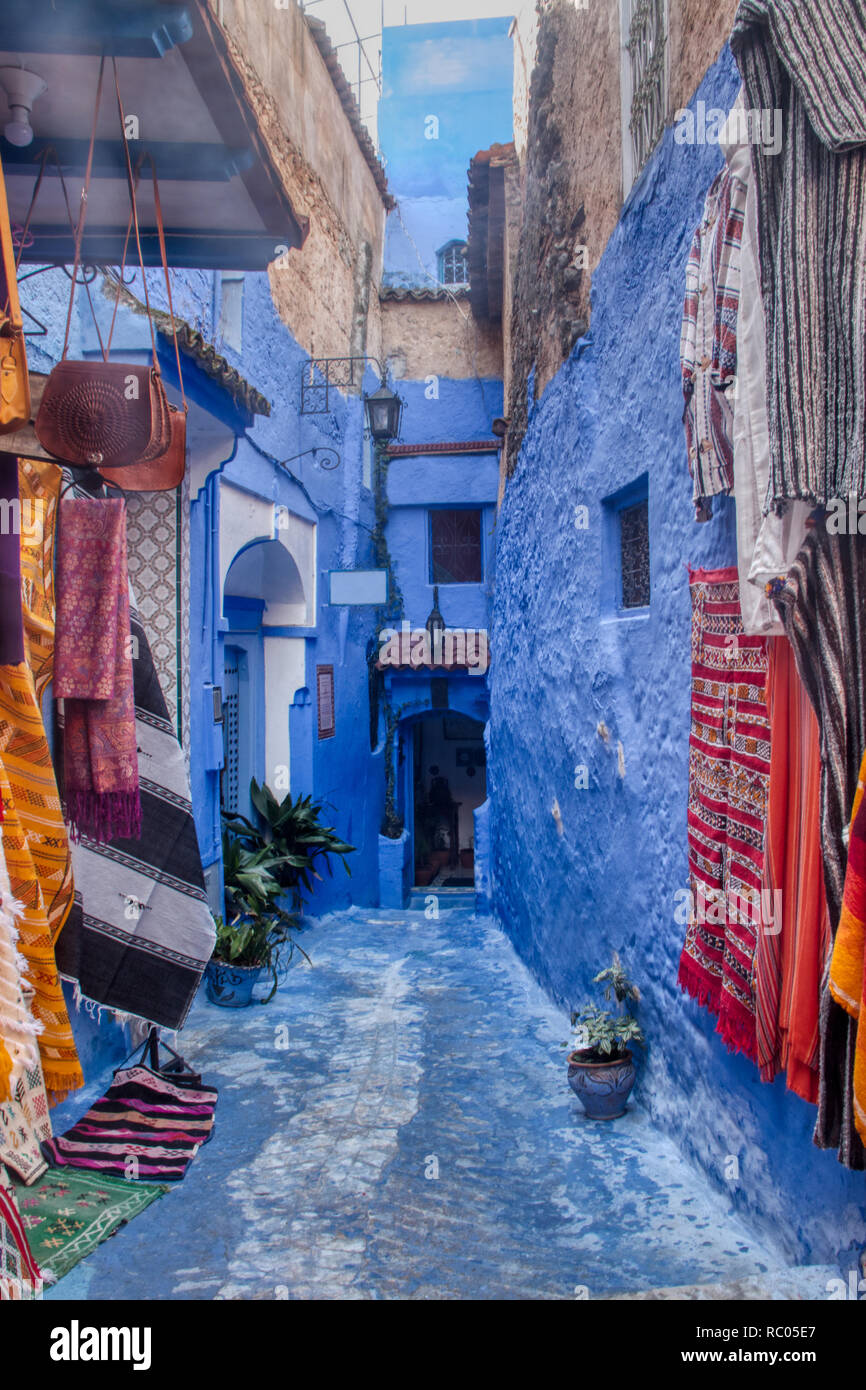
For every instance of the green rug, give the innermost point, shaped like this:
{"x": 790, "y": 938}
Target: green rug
{"x": 67, "y": 1213}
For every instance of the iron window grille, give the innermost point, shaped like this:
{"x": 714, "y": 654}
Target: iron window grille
{"x": 454, "y": 264}
{"x": 645, "y": 79}
{"x": 635, "y": 555}
{"x": 455, "y": 547}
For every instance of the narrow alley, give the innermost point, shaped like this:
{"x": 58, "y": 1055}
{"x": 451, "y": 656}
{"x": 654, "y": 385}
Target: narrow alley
{"x": 396, "y": 1125}
{"x": 432, "y": 667}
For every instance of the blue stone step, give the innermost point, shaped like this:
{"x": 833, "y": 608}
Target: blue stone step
{"x": 447, "y": 898}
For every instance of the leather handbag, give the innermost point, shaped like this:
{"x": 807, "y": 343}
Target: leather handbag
{"x": 164, "y": 472}
{"x": 111, "y": 414}
{"x": 14, "y": 380}
{"x": 95, "y": 413}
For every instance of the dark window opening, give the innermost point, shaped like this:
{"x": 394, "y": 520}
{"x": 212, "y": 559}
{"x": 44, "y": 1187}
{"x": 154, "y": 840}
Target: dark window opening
{"x": 634, "y": 555}
{"x": 455, "y": 547}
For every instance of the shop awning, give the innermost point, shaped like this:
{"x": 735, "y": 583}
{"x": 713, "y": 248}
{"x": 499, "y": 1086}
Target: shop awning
{"x": 224, "y": 202}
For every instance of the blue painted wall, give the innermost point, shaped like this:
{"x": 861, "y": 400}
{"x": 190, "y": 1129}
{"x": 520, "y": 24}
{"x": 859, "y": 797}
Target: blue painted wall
{"x": 446, "y": 94}
{"x": 340, "y": 770}
{"x": 462, "y": 411}
{"x": 565, "y": 663}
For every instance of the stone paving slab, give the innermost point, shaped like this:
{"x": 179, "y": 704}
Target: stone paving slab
{"x": 397, "y": 1124}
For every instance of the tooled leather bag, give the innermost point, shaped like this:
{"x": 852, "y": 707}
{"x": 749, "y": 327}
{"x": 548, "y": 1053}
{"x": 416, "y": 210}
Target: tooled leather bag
{"x": 103, "y": 414}
{"x": 96, "y": 414}
{"x": 165, "y": 472}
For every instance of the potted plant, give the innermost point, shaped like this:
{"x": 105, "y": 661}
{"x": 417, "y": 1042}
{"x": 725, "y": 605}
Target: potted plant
{"x": 258, "y": 934}
{"x": 292, "y": 837}
{"x": 601, "y": 1069}
{"x": 242, "y": 951}
{"x": 467, "y": 857}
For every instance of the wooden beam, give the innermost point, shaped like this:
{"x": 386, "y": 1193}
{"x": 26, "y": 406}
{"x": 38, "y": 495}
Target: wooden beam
{"x": 141, "y": 30}
{"x": 216, "y": 249}
{"x": 202, "y": 162}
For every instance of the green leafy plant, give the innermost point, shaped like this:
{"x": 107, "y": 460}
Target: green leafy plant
{"x": 291, "y": 839}
{"x": 259, "y": 943}
{"x": 602, "y": 1036}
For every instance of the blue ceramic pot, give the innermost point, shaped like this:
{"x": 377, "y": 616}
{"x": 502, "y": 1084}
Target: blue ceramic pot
{"x": 601, "y": 1087}
{"x": 230, "y": 985}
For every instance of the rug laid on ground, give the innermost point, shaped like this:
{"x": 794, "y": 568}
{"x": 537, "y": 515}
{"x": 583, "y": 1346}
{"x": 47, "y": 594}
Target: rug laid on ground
{"x": 729, "y": 773}
{"x": 67, "y": 1213}
{"x": 144, "y": 1127}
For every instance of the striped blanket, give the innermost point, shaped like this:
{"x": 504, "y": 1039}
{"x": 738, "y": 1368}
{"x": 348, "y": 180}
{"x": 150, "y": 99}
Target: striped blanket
{"x": 140, "y": 932}
{"x": 807, "y": 60}
{"x": 144, "y": 1127}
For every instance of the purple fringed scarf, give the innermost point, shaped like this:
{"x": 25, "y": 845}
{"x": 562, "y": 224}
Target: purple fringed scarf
{"x": 11, "y": 621}
{"x": 93, "y": 671}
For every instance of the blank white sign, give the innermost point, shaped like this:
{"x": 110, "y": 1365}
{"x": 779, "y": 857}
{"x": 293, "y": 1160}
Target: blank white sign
{"x": 359, "y": 586}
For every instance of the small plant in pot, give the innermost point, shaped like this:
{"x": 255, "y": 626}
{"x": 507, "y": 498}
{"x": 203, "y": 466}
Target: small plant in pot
{"x": 258, "y": 934}
{"x": 265, "y": 865}
{"x": 243, "y": 951}
{"x": 601, "y": 1069}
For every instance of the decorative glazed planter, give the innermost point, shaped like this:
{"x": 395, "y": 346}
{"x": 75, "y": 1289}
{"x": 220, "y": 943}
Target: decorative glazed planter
{"x": 603, "y": 1088}
{"x": 230, "y": 986}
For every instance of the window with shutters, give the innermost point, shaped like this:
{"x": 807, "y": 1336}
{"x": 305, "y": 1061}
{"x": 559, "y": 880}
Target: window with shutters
{"x": 634, "y": 555}
{"x": 644, "y": 81}
{"x": 455, "y": 547}
{"x": 230, "y": 775}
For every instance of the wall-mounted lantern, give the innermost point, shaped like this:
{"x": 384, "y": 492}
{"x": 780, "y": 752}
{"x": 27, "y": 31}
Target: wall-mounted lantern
{"x": 384, "y": 410}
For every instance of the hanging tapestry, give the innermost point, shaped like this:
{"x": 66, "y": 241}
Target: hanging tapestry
{"x": 729, "y": 769}
{"x": 766, "y": 545}
{"x": 140, "y": 933}
{"x": 93, "y": 671}
{"x": 804, "y": 63}
{"x": 821, "y": 604}
{"x": 11, "y": 628}
{"x": 703, "y": 357}
{"x": 67, "y": 1213}
{"x": 18, "y": 1027}
{"x": 20, "y": 1276}
{"x": 144, "y": 1127}
{"x": 25, "y": 1125}
{"x": 792, "y": 961}
{"x": 39, "y": 483}
{"x": 36, "y": 848}
{"x": 847, "y": 980}
{"x": 34, "y": 837}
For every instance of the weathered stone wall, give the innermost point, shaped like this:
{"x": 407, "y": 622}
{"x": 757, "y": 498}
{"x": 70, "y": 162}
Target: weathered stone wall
{"x": 571, "y": 190}
{"x": 322, "y": 292}
{"x": 439, "y": 338}
{"x": 699, "y": 29}
{"x": 584, "y": 865}
{"x": 569, "y": 139}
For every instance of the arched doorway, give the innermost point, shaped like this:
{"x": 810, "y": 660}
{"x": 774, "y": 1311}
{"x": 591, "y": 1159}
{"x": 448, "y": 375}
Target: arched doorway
{"x": 449, "y": 782}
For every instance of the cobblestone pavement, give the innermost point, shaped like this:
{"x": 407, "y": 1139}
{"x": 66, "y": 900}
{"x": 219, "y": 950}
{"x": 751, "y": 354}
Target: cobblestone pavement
{"x": 397, "y": 1124}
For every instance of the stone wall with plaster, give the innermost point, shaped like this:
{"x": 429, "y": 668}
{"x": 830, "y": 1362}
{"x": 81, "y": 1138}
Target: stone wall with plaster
{"x": 322, "y": 291}
{"x": 568, "y": 134}
{"x": 580, "y": 871}
{"x": 439, "y": 338}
